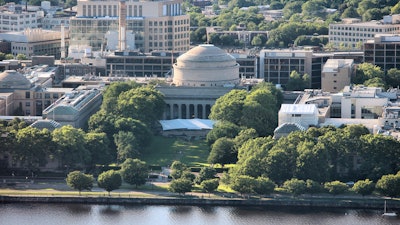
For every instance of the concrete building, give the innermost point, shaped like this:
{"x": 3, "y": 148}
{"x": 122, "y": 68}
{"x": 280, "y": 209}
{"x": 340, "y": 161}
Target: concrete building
{"x": 336, "y": 74}
{"x": 33, "y": 42}
{"x": 383, "y": 51}
{"x": 14, "y": 18}
{"x": 352, "y": 33}
{"x": 156, "y": 25}
{"x": 75, "y": 107}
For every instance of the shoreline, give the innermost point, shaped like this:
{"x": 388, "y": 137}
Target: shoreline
{"x": 191, "y": 201}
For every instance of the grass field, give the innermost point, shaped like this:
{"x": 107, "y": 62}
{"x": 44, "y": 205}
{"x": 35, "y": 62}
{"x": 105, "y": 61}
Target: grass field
{"x": 163, "y": 151}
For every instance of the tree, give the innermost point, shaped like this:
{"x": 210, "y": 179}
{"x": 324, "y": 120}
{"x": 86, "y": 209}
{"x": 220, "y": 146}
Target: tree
{"x": 393, "y": 76}
{"x": 364, "y": 187}
{"x": 180, "y": 186}
{"x": 210, "y": 185}
{"x": 222, "y": 129}
{"x": 177, "y": 169}
{"x": 80, "y": 181}
{"x": 264, "y": 186}
{"x": 366, "y": 71}
{"x": 313, "y": 186}
{"x": 292, "y": 8}
{"x": 134, "y": 172}
{"x": 222, "y": 152}
{"x": 350, "y": 12}
{"x": 206, "y": 173}
{"x": 70, "y": 144}
{"x": 229, "y": 107}
{"x": 127, "y": 146}
{"x": 295, "y": 186}
{"x": 145, "y": 104}
{"x": 98, "y": 145}
{"x": 109, "y": 180}
{"x": 389, "y": 185}
{"x": 32, "y": 147}
{"x": 313, "y": 8}
{"x": 296, "y": 82}
{"x": 335, "y": 187}
{"x": 243, "y": 184}
{"x": 395, "y": 9}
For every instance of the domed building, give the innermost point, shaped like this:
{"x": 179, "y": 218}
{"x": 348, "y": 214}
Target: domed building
{"x": 206, "y": 66}
{"x": 11, "y": 79}
{"x": 200, "y": 77}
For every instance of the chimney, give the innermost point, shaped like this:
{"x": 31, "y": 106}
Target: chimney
{"x": 122, "y": 26}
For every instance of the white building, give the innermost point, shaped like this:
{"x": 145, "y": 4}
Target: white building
{"x": 351, "y": 33}
{"x": 336, "y": 74}
{"x": 305, "y": 115}
{"x": 17, "y": 18}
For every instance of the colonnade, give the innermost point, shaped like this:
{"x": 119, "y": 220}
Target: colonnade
{"x": 187, "y": 111}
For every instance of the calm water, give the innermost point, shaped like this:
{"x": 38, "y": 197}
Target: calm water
{"x": 75, "y": 214}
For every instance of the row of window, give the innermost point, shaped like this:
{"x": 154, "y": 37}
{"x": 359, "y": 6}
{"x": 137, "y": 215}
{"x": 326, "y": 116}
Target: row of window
{"x": 110, "y": 10}
{"x": 364, "y": 29}
{"x": 352, "y": 34}
{"x": 6, "y": 17}
{"x": 39, "y": 96}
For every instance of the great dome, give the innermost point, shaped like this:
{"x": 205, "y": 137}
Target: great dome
{"x": 13, "y": 80}
{"x": 206, "y": 65}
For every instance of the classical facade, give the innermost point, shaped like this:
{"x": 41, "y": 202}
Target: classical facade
{"x": 200, "y": 76}
{"x": 156, "y": 25}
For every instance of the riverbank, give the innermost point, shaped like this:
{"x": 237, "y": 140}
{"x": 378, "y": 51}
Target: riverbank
{"x": 311, "y": 202}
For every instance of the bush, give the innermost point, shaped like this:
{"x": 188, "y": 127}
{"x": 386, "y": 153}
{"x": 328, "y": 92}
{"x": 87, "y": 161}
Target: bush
{"x": 364, "y": 187}
{"x": 295, "y": 186}
{"x": 336, "y": 187}
{"x": 389, "y": 185}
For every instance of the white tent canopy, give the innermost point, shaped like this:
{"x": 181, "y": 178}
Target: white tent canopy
{"x": 187, "y": 124}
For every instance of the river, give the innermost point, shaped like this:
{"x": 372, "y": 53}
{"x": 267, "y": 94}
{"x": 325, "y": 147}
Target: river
{"x": 76, "y": 214}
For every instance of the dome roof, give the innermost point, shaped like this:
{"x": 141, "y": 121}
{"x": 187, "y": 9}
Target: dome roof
{"x": 13, "y": 79}
{"x": 206, "y": 53}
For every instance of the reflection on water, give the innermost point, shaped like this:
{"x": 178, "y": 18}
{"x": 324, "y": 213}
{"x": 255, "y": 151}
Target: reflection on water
{"x": 51, "y": 214}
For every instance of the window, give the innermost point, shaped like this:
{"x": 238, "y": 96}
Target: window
{"x": 27, "y": 104}
{"x": 27, "y": 95}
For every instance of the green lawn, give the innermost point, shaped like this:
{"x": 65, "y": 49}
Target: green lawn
{"x": 163, "y": 151}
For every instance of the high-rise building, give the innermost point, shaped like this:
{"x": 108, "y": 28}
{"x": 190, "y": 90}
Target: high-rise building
{"x": 155, "y": 25}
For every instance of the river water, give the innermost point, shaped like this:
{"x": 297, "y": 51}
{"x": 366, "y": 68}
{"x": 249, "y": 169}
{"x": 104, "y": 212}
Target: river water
{"x": 76, "y": 214}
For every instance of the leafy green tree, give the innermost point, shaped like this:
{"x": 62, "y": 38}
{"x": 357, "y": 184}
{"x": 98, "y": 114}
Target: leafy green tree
{"x": 209, "y": 185}
{"x": 393, "y": 77}
{"x": 144, "y": 104}
{"x": 9, "y": 56}
{"x": 311, "y": 161}
{"x": 134, "y": 172}
{"x": 375, "y": 82}
{"x": 366, "y": 71}
{"x": 177, "y": 169}
{"x": 243, "y": 136}
{"x": 112, "y": 92}
{"x": 350, "y": 12}
{"x": 32, "y": 147}
{"x": 109, "y": 180}
{"x": 98, "y": 145}
{"x": 296, "y": 82}
{"x": 206, "y": 173}
{"x": 180, "y": 186}
{"x": 365, "y": 5}
{"x": 142, "y": 133}
{"x": 223, "y": 152}
{"x": 80, "y": 181}
{"x": 229, "y": 107}
{"x": 395, "y": 9}
{"x": 313, "y": 8}
{"x": 372, "y": 14}
{"x": 364, "y": 187}
{"x": 295, "y": 186}
{"x": 188, "y": 175}
{"x": 243, "y": 184}
{"x": 389, "y": 185}
{"x": 264, "y": 186}
{"x": 70, "y": 144}
{"x": 21, "y": 57}
{"x": 127, "y": 146}
{"x": 336, "y": 187}
{"x": 379, "y": 156}
{"x": 222, "y": 129}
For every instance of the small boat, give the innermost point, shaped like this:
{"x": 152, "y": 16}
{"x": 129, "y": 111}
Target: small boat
{"x": 388, "y": 214}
